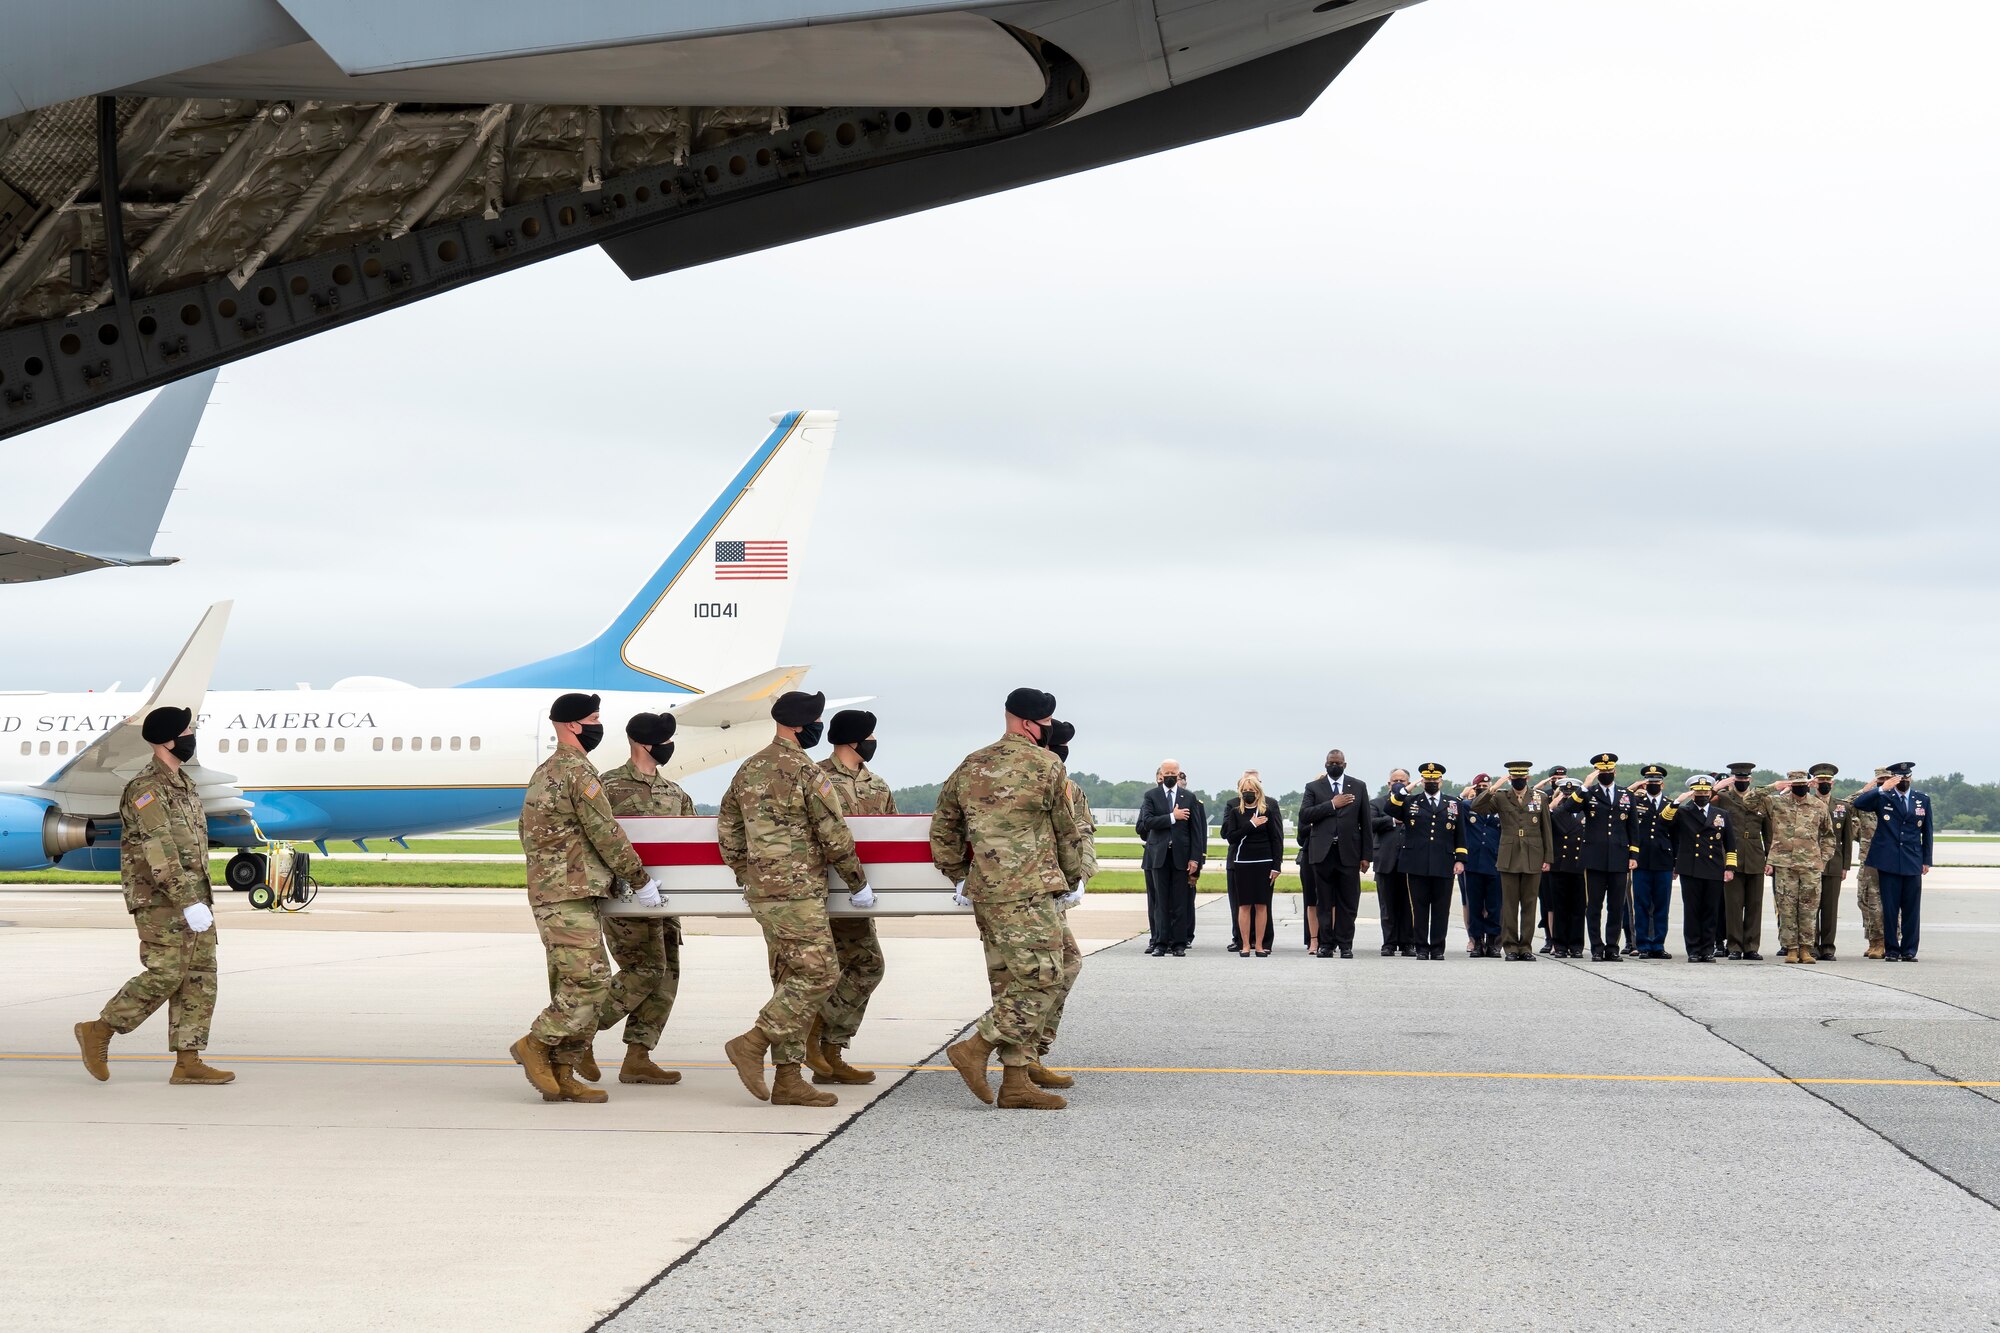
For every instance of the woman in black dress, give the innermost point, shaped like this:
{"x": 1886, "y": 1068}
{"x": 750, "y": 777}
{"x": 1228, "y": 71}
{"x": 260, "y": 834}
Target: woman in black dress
{"x": 1254, "y": 828}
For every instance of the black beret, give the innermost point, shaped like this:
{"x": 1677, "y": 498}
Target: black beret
{"x": 574, "y": 707}
{"x": 796, "y": 708}
{"x": 164, "y": 724}
{"x": 850, "y": 725}
{"x": 650, "y": 728}
{"x": 1061, "y": 734}
{"x": 1031, "y": 705}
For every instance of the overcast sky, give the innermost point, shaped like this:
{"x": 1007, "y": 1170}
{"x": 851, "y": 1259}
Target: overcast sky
{"x": 1573, "y": 376}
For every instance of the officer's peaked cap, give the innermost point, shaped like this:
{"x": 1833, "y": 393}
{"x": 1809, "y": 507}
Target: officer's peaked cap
{"x": 796, "y": 708}
{"x": 850, "y": 726}
{"x": 1653, "y": 771}
{"x": 1428, "y": 771}
{"x": 163, "y": 724}
{"x": 574, "y": 707}
{"x": 1031, "y": 705}
{"x": 1697, "y": 780}
{"x": 1743, "y": 770}
{"x": 650, "y": 728}
{"x": 1824, "y": 770}
{"x": 1605, "y": 760}
{"x": 1904, "y": 769}
{"x": 1519, "y": 768}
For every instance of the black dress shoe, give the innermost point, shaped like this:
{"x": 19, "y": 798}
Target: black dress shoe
{"x": 1661, "y": 953}
{"x": 1824, "y": 955}
{"x": 1153, "y": 951}
{"x": 1630, "y": 948}
{"x": 1735, "y": 955}
{"x": 1752, "y": 956}
{"x": 1246, "y": 954}
{"x": 1347, "y": 953}
{"x": 1909, "y": 958}
{"x": 1611, "y": 956}
{"x": 1546, "y": 947}
{"x": 1178, "y": 951}
{"x": 1323, "y": 953}
{"x": 1388, "y": 951}
{"x": 1892, "y": 958}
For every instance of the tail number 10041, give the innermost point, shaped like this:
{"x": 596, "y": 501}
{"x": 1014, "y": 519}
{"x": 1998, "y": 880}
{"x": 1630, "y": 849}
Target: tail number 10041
{"x": 714, "y": 610}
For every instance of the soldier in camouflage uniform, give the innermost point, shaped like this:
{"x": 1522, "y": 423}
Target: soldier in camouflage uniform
{"x": 1005, "y": 830}
{"x": 646, "y": 948}
{"x": 163, "y": 857}
{"x": 1867, "y": 883}
{"x": 780, "y": 828}
{"x": 1837, "y": 864}
{"x": 1749, "y": 814}
{"x": 1802, "y": 840}
{"x": 575, "y": 850}
{"x": 855, "y": 945}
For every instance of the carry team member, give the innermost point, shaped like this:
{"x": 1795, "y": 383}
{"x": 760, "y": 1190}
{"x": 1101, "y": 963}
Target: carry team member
{"x": 163, "y": 862}
{"x": 1005, "y": 831}
{"x": 1060, "y": 735}
{"x": 780, "y": 828}
{"x": 575, "y": 852}
{"x": 646, "y": 948}
{"x": 855, "y": 945}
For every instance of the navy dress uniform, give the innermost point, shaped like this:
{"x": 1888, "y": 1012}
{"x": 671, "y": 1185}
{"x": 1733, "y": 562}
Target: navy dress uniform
{"x": 1480, "y": 884}
{"x": 1901, "y": 855}
{"x": 1608, "y": 855}
{"x": 1566, "y": 873}
{"x": 1653, "y": 881}
{"x": 1433, "y": 853}
{"x": 1705, "y": 857}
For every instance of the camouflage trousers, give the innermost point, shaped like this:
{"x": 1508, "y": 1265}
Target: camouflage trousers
{"x": 180, "y": 973}
{"x": 579, "y": 977}
{"x": 859, "y": 953}
{"x": 1025, "y": 936}
{"x": 647, "y": 950}
{"x": 1072, "y": 968}
{"x": 1868, "y": 893}
{"x": 805, "y": 968}
{"x": 1797, "y": 895}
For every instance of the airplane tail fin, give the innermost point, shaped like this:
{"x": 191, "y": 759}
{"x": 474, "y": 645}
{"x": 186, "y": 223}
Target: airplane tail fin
{"x": 115, "y": 514}
{"x": 714, "y": 613}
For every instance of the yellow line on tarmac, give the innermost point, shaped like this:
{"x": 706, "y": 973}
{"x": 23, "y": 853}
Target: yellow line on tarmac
{"x": 456, "y": 1062}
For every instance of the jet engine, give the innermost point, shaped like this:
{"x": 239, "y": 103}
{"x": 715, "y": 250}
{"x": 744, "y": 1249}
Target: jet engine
{"x": 33, "y": 833}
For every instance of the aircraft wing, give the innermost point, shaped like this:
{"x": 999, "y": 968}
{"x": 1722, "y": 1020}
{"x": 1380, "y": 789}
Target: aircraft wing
{"x": 745, "y": 701}
{"x": 25, "y": 561}
{"x": 93, "y": 780}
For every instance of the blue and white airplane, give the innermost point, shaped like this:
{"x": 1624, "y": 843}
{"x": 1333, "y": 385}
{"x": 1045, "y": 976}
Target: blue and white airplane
{"x": 376, "y": 758}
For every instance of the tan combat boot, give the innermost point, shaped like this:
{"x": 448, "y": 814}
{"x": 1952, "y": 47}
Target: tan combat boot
{"x": 586, "y": 1065}
{"x": 569, "y": 1090}
{"x": 639, "y": 1068}
{"x": 816, "y": 1059}
{"x": 1806, "y": 955}
{"x": 94, "y": 1040}
{"x": 188, "y": 1068}
{"x": 788, "y": 1089}
{"x": 1043, "y": 1077}
{"x": 969, "y": 1057}
{"x": 1876, "y": 950}
{"x": 1018, "y": 1094}
{"x": 532, "y": 1054}
{"x": 837, "y": 1068}
{"x": 1791, "y": 955}
{"x": 747, "y": 1054}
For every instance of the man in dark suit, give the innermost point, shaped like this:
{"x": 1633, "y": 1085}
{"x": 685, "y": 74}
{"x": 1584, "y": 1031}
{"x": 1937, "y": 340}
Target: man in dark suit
{"x": 1176, "y": 845}
{"x": 1336, "y": 844}
{"x": 1900, "y": 852}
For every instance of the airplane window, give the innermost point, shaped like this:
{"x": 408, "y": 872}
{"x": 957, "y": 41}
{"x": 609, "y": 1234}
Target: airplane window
{"x": 45, "y": 747}
{"x": 416, "y": 742}
{"x": 475, "y": 742}
{"x": 262, "y": 745}
{"x": 281, "y": 745}
{"x": 27, "y": 747}
{"x": 222, "y": 747}
{"x": 454, "y": 742}
{"x": 62, "y": 747}
{"x": 378, "y": 742}
{"x": 396, "y": 743}
{"x": 300, "y": 745}
{"x": 437, "y": 743}
{"x": 339, "y": 743}
{"x": 319, "y": 743}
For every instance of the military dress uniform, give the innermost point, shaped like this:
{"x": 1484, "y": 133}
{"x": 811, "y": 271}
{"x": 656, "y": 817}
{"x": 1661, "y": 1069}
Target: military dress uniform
{"x": 575, "y": 854}
{"x": 1842, "y": 813}
{"x": 1743, "y": 897}
{"x": 781, "y": 827}
{"x": 1704, "y": 853}
{"x": 647, "y": 947}
{"x": 1867, "y": 879}
{"x": 1653, "y": 881}
{"x": 1566, "y": 872}
{"x": 1801, "y": 842}
{"x": 1433, "y": 849}
{"x": 1608, "y": 853}
{"x": 856, "y": 946}
{"x": 1524, "y": 849}
{"x": 1006, "y": 828}
{"x": 1900, "y": 852}
{"x": 1481, "y": 882}
{"x": 163, "y": 859}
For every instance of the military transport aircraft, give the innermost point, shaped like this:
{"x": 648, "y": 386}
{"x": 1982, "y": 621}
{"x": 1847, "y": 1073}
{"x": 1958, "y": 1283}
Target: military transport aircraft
{"x": 182, "y": 185}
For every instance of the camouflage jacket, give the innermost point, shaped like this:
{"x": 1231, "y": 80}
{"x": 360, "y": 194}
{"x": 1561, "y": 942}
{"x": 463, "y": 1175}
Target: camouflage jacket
{"x": 1750, "y": 815}
{"x": 1861, "y": 828}
{"x": 163, "y": 849}
{"x": 1005, "y": 826}
{"x": 1801, "y": 833}
{"x": 861, "y": 793}
{"x": 632, "y": 794}
{"x": 574, "y": 846}
{"x": 781, "y": 827}
{"x": 1086, "y": 831}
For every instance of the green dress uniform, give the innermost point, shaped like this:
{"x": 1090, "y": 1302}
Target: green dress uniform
{"x": 1743, "y": 897}
{"x": 1526, "y": 842}
{"x": 1006, "y": 828}
{"x": 1834, "y": 873}
{"x": 575, "y": 851}
{"x": 780, "y": 829}
{"x": 647, "y": 948}
{"x": 163, "y": 862}
{"x": 856, "y": 947}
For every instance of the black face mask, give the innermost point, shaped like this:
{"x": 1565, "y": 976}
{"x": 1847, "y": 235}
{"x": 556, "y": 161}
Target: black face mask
{"x": 1607, "y": 778}
{"x": 592, "y": 733}
{"x": 1701, "y": 800}
{"x": 866, "y": 749}
{"x": 661, "y": 752}
{"x": 1903, "y": 785}
{"x": 810, "y": 733}
{"x": 1519, "y": 784}
{"x": 1652, "y": 789}
{"x": 1171, "y": 779}
{"x": 182, "y": 748}
{"x": 1825, "y": 788}
{"x": 1335, "y": 770}
{"x": 1743, "y": 784}
{"x": 1798, "y": 789}
{"x": 1431, "y": 787}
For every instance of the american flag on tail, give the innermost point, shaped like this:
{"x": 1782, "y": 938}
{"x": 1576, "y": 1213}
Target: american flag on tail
{"x": 751, "y": 560}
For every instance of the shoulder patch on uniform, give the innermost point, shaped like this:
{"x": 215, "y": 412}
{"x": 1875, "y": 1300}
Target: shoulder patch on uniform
{"x": 144, "y": 801}
{"x": 825, "y": 788}
{"x": 591, "y": 788}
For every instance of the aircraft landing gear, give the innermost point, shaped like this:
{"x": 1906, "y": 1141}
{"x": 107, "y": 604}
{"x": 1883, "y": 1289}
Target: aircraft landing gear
{"x": 246, "y": 871}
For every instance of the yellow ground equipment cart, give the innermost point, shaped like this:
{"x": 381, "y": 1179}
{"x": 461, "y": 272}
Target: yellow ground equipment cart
{"x": 288, "y": 883}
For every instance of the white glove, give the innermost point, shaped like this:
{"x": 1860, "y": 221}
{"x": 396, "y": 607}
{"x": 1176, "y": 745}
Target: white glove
{"x": 648, "y": 894}
{"x": 199, "y": 918}
{"x": 1075, "y": 897}
{"x": 958, "y": 898}
{"x": 863, "y": 897}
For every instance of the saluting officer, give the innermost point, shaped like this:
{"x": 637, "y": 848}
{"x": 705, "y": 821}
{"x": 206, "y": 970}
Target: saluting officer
{"x": 1743, "y": 896}
{"x": 1523, "y": 856}
{"x": 163, "y": 861}
{"x": 855, "y": 945}
{"x": 1566, "y": 875}
{"x": 1433, "y": 852}
{"x": 1609, "y": 855}
{"x": 1705, "y": 856}
{"x": 1827, "y": 923}
{"x": 648, "y": 948}
{"x": 1801, "y": 843}
{"x": 780, "y": 828}
{"x": 1867, "y": 879}
{"x": 1653, "y": 878}
{"x": 575, "y": 853}
{"x": 1901, "y": 855}
{"x": 1480, "y": 884}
